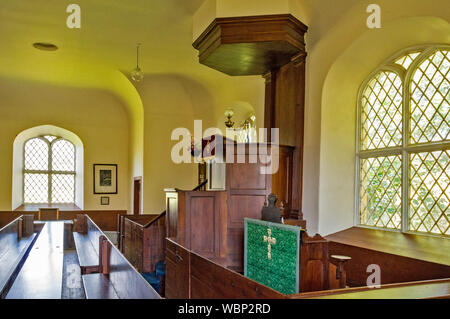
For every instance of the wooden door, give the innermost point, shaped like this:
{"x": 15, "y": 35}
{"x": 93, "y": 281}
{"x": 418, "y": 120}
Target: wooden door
{"x": 137, "y": 195}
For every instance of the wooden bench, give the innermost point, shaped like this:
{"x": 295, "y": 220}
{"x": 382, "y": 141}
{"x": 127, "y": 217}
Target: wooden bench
{"x": 42, "y": 272}
{"x": 86, "y": 243}
{"x": 16, "y": 240}
{"x": 113, "y": 277}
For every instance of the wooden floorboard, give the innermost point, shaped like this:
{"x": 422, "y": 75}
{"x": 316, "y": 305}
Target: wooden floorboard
{"x": 72, "y": 286}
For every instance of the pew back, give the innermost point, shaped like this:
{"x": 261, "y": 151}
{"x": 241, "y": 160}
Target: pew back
{"x": 190, "y": 275}
{"x": 113, "y": 268}
{"x": 199, "y": 278}
{"x": 106, "y": 219}
{"x": 143, "y": 240}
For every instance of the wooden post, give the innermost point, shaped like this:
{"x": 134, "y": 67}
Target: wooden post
{"x": 104, "y": 255}
{"x": 27, "y": 225}
{"x": 19, "y": 229}
{"x": 81, "y": 224}
{"x": 341, "y": 275}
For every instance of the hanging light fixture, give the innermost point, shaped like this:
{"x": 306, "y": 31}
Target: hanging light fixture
{"x": 137, "y": 74}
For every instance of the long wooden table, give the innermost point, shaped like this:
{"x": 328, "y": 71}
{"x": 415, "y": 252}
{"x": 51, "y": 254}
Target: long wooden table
{"x": 41, "y": 274}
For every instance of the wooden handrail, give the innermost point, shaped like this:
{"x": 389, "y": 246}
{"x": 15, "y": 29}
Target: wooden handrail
{"x": 200, "y": 186}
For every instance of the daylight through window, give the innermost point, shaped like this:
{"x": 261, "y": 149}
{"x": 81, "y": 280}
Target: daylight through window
{"x": 403, "y": 144}
{"x": 49, "y": 171}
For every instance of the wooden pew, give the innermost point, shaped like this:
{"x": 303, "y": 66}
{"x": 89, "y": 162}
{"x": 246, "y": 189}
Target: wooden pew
{"x": 401, "y": 257}
{"x": 190, "y": 275}
{"x": 113, "y": 277}
{"x": 16, "y": 240}
{"x": 106, "y": 219}
{"x": 41, "y": 275}
{"x": 142, "y": 240}
{"x": 86, "y": 237}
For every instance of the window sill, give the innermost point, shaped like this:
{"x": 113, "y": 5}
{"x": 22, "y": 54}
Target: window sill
{"x": 426, "y": 248}
{"x": 35, "y": 207}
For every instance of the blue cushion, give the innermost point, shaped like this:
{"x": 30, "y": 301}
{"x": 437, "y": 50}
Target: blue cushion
{"x": 153, "y": 280}
{"x": 161, "y": 268}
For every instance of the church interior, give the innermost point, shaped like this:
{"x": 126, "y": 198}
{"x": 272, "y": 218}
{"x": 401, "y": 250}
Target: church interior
{"x": 237, "y": 149}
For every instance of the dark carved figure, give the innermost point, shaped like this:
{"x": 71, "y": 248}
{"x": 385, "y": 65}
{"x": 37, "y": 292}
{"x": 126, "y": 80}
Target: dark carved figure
{"x": 271, "y": 213}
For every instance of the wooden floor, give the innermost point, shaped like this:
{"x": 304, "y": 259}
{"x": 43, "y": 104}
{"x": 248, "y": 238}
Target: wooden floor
{"x": 72, "y": 285}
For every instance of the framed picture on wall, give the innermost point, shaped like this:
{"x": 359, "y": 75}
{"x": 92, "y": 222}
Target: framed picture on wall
{"x": 105, "y": 178}
{"x": 104, "y": 200}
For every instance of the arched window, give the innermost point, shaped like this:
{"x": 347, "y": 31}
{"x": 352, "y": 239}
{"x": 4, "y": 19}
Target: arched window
{"x": 404, "y": 143}
{"x": 49, "y": 171}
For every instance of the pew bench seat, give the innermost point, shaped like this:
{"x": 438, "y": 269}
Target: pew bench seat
{"x": 98, "y": 286}
{"x": 10, "y": 261}
{"x": 87, "y": 254}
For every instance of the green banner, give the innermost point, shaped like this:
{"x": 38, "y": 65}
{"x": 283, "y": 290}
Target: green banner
{"x": 272, "y": 255}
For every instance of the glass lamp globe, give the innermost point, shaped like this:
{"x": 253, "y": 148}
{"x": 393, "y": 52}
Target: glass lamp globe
{"x": 137, "y": 75}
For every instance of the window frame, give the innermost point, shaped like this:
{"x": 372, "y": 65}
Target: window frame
{"x": 406, "y": 149}
{"x": 49, "y": 170}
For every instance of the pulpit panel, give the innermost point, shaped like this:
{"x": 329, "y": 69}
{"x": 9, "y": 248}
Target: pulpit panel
{"x": 202, "y": 221}
{"x": 246, "y": 177}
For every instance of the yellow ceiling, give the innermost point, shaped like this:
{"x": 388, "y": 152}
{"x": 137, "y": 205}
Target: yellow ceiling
{"x": 107, "y": 38}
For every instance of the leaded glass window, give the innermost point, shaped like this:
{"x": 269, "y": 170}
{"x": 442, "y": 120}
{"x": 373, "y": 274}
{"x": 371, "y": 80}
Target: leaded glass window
{"x": 49, "y": 171}
{"x": 403, "y": 143}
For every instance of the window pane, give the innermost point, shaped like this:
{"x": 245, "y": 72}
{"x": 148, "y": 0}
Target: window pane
{"x": 63, "y": 188}
{"x": 35, "y": 188}
{"x": 36, "y": 155}
{"x": 63, "y": 156}
{"x": 380, "y": 192}
{"x": 407, "y": 60}
{"x": 430, "y": 117}
{"x": 381, "y": 116}
{"x": 429, "y": 192}
{"x": 50, "y": 138}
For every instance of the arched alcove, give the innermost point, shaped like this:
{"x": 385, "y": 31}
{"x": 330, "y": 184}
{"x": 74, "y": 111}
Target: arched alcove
{"x": 18, "y": 161}
{"x": 339, "y": 110}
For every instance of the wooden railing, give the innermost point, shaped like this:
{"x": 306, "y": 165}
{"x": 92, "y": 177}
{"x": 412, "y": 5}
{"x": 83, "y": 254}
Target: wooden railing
{"x": 142, "y": 238}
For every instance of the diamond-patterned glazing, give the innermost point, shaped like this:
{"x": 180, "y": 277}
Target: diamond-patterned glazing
{"x": 35, "y": 188}
{"x": 380, "y": 192}
{"x": 38, "y": 171}
{"x": 63, "y": 190}
{"x": 63, "y": 156}
{"x": 430, "y": 111}
{"x": 36, "y": 155}
{"x": 430, "y": 192}
{"x": 406, "y": 60}
{"x": 381, "y": 115}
